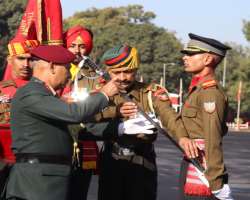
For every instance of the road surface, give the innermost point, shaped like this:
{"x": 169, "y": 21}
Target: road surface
{"x": 237, "y": 159}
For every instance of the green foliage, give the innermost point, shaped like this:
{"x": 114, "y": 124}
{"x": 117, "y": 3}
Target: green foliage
{"x": 10, "y": 17}
{"x": 132, "y": 25}
{"x": 238, "y": 62}
{"x": 246, "y": 29}
{"x": 157, "y": 46}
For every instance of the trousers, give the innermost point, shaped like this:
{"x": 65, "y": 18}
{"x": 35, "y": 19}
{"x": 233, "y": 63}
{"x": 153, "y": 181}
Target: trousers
{"x": 121, "y": 179}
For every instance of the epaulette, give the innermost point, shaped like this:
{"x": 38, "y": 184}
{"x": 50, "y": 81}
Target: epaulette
{"x": 208, "y": 84}
{"x": 158, "y": 91}
{"x": 7, "y": 83}
{"x": 154, "y": 87}
{"x": 100, "y": 82}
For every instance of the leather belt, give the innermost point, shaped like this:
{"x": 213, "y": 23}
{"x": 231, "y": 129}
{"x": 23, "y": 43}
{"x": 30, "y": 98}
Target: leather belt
{"x": 34, "y": 158}
{"x": 122, "y": 151}
{"x": 136, "y": 159}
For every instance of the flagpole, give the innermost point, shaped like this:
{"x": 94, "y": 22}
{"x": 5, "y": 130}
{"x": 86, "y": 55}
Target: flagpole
{"x": 238, "y": 109}
{"x": 161, "y": 81}
{"x": 224, "y": 72}
{"x": 180, "y": 95}
{"x": 164, "y": 76}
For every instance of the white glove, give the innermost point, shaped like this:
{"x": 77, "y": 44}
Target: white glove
{"x": 136, "y": 126}
{"x": 224, "y": 193}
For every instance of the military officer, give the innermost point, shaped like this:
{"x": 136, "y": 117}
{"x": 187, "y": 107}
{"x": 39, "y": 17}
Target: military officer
{"x": 41, "y": 142}
{"x": 204, "y": 117}
{"x": 17, "y": 74}
{"x": 127, "y": 168}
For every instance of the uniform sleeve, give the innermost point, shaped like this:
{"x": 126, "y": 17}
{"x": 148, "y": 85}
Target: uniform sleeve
{"x": 50, "y": 107}
{"x": 170, "y": 119}
{"x": 108, "y": 113}
{"x": 213, "y": 108}
{"x": 103, "y": 130}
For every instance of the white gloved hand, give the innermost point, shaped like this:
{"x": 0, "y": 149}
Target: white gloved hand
{"x": 136, "y": 126}
{"x": 224, "y": 193}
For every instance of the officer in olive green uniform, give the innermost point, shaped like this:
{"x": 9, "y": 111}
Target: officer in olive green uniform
{"x": 41, "y": 141}
{"x": 204, "y": 117}
{"x": 128, "y": 168}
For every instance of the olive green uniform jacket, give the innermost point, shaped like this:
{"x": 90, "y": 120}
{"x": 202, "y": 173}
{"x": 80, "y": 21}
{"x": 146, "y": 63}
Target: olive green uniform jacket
{"x": 39, "y": 125}
{"x": 204, "y": 114}
{"x": 143, "y": 95}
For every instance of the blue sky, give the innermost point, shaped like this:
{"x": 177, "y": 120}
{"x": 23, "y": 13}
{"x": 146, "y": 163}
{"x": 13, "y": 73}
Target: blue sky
{"x": 221, "y": 19}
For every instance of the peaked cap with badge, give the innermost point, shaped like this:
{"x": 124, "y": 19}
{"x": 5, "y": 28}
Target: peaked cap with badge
{"x": 199, "y": 44}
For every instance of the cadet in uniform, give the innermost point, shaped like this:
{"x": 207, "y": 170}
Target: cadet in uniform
{"x": 127, "y": 166}
{"x": 16, "y": 75}
{"x": 41, "y": 141}
{"x": 79, "y": 41}
{"x": 204, "y": 117}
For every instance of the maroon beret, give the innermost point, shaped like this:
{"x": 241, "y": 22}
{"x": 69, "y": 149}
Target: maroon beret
{"x": 53, "y": 53}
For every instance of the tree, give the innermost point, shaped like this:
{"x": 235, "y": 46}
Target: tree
{"x": 246, "y": 29}
{"x": 238, "y": 63}
{"x": 10, "y": 17}
{"x": 132, "y": 25}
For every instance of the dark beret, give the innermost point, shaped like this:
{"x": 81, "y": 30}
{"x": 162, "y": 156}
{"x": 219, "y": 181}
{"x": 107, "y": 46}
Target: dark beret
{"x": 53, "y": 53}
{"x": 203, "y": 44}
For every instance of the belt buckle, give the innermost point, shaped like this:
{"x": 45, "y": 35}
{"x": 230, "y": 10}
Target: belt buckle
{"x": 127, "y": 152}
{"x": 33, "y": 161}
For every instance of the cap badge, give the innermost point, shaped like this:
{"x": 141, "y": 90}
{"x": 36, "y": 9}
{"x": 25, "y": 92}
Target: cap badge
{"x": 79, "y": 39}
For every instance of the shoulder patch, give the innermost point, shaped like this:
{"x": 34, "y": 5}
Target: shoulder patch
{"x": 7, "y": 83}
{"x": 208, "y": 84}
{"x": 101, "y": 80}
{"x": 158, "y": 91}
{"x": 209, "y": 107}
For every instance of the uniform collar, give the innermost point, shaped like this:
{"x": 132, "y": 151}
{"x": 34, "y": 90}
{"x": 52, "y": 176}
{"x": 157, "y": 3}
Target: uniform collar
{"x": 199, "y": 80}
{"x": 48, "y": 87}
{"x": 135, "y": 88}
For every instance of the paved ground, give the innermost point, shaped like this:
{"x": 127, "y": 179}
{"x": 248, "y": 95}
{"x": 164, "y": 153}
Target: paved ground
{"x": 237, "y": 158}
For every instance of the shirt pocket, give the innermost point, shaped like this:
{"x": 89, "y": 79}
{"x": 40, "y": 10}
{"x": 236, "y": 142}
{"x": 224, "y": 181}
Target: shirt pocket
{"x": 190, "y": 112}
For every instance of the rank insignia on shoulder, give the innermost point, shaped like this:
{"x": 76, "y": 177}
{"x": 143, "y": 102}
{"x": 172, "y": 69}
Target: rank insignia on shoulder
{"x": 209, "y": 107}
{"x": 159, "y": 92}
{"x": 4, "y": 99}
{"x": 208, "y": 84}
{"x": 7, "y": 83}
{"x": 101, "y": 80}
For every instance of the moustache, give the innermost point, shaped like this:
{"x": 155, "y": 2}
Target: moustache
{"x": 123, "y": 82}
{"x": 78, "y": 58}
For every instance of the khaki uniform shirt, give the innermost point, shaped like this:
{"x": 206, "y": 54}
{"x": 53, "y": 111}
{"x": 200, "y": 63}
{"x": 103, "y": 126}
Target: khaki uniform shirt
{"x": 140, "y": 95}
{"x": 204, "y": 115}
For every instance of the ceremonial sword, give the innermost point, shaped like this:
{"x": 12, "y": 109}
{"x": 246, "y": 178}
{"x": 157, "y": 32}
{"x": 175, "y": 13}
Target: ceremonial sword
{"x": 87, "y": 61}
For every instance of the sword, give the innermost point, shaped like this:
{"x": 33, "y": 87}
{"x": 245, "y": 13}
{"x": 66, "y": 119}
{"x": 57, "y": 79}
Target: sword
{"x": 105, "y": 75}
